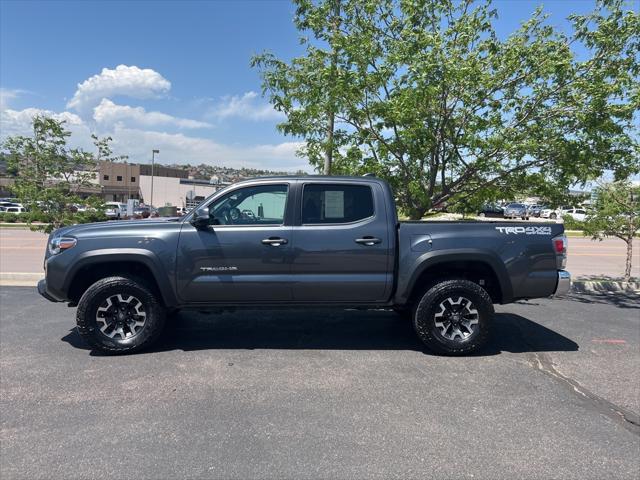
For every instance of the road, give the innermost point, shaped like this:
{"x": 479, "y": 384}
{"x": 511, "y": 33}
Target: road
{"x": 330, "y": 394}
{"x": 23, "y": 251}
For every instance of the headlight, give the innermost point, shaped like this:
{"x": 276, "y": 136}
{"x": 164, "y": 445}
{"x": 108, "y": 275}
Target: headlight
{"x": 60, "y": 244}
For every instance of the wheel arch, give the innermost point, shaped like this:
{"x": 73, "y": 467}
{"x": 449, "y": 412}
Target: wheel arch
{"x": 481, "y": 267}
{"x": 93, "y": 265}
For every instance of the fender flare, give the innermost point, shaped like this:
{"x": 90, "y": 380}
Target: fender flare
{"x": 133, "y": 255}
{"x": 431, "y": 259}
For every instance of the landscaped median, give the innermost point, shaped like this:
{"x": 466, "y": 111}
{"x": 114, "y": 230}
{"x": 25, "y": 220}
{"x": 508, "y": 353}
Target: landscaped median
{"x": 605, "y": 286}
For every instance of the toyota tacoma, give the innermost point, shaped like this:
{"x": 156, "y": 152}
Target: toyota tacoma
{"x": 308, "y": 241}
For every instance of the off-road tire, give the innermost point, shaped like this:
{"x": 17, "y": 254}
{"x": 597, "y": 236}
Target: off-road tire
{"x": 424, "y": 320}
{"x": 98, "y": 293}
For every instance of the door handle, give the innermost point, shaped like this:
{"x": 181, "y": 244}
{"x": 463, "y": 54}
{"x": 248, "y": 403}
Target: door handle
{"x": 274, "y": 241}
{"x": 368, "y": 241}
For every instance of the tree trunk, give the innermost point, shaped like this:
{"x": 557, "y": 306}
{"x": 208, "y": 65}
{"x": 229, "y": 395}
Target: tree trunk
{"x": 328, "y": 153}
{"x": 627, "y": 270}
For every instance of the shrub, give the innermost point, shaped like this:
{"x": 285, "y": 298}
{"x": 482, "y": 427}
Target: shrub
{"x": 571, "y": 223}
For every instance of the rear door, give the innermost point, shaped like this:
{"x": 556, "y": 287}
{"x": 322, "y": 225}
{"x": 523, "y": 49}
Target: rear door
{"x": 243, "y": 256}
{"x": 341, "y": 245}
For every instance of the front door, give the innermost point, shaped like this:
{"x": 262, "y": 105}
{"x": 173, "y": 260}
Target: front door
{"x": 341, "y": 249}
{"x": 243, "y": 256}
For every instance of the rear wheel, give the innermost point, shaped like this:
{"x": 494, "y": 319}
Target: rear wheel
{"x": 453, "y": 317}
{"x": 120, "y": 315}
{"x": 553, "y": 216}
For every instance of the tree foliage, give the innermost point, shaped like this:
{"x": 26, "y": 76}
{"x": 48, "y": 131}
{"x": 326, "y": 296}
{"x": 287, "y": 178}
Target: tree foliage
{"x": 427, "y": 95}
{"x": 616, "y": 213}
{"x": 48, "y": 175}
{"x": 104, "y": 152}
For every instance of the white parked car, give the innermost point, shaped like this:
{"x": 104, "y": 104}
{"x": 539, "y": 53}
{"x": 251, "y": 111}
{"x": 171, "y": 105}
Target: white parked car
{"x": 578, "y": 214}
{"x": 553, "y": 213}
{"x": 113, "y": 210}
{"x": 15, "y": 209}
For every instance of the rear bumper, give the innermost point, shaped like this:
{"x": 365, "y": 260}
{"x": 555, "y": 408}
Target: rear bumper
{"x": 42, "y": 290}
{"x": 564, "y": 283}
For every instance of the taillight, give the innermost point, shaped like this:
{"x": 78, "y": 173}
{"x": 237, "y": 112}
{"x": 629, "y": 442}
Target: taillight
{"x": 560, "y": 247}
{"x": 558, "y": 243}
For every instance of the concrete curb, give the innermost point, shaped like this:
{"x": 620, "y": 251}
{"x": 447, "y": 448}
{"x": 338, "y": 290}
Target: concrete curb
{"x": 20, "y": 279}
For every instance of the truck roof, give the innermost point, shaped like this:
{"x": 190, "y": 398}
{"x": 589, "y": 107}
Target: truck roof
{"x": 333, "y": 178}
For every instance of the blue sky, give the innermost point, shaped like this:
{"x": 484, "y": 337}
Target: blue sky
{"x": 166, "y": 74}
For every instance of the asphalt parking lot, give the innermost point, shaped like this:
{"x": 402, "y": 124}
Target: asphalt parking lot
{"x": 324, "y": 394}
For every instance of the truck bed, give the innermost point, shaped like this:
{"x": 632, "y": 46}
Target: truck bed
{"x": 521, "y": 254}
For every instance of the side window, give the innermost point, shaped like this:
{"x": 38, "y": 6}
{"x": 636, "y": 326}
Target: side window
{"x": 259, "y": 205}
{"x": 336, "y": 203}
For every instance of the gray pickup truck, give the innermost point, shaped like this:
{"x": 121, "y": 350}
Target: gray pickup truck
{"x": 300, "y": 241}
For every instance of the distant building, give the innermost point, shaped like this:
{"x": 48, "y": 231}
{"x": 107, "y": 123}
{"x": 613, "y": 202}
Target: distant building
{"x": 171, "y": 186}
{"x": 162, "y": 171}
{"x": 119, "y": 181}
{"x": 177, "y": 192}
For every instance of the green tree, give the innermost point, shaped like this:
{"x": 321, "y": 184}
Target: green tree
{"x": 616, "y": 213}
{"x": 425, "y": 94}
{"x": 49, "y": 175}
{"x": 104, "y": 152}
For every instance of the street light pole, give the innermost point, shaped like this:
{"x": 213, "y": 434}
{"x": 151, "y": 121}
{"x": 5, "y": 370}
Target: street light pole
{"x": 153, "y": 155}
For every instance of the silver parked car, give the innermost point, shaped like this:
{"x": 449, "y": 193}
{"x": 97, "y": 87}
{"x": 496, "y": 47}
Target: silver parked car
{"x": 516, "y": 210}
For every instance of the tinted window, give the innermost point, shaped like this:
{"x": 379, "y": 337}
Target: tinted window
{"x": 259, "y": 205}
{"x": 336, "y": 203}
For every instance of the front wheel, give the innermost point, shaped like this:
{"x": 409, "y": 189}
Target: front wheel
{"x": 453, "y": 317}
{"x": 120, "y": 315}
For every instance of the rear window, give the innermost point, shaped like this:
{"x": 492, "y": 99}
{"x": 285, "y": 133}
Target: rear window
{"x": 336, "y": 203}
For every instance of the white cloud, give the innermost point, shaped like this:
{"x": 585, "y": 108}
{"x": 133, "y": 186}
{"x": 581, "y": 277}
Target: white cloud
{"x": 181, "y": 149}
{"x": 130, "y": 81}
{"x": 174, "y": 147}
{"x": 7, "y": 95}
{"x": 245, "y": 106}
{"x": 109, "y": 113}
{"x": 135, "y": 130}
{"x": 18, "y": 122}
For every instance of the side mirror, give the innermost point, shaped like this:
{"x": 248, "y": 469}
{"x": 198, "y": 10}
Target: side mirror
{"x": 200, "y": 217}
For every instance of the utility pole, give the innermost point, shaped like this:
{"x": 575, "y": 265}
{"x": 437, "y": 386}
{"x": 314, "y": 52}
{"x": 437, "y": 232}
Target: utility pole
{"x": 328, "y": 152}
{"x": 153, "y": 155}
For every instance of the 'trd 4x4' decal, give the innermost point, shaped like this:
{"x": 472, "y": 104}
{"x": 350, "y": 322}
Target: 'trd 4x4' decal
{"x": 525, "y": 230}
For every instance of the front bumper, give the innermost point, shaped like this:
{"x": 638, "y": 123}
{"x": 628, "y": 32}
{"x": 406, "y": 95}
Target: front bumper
{"x": 564, "y": 283}
{"x": 42, "y": 290}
